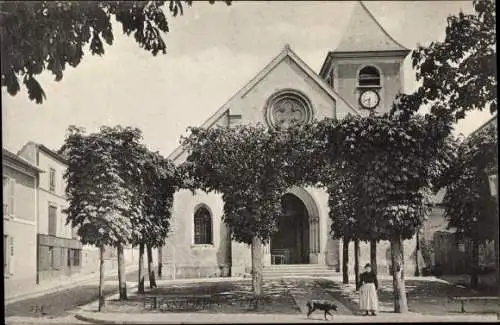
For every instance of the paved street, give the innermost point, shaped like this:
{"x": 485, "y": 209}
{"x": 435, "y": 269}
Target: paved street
{"x": 55, "y": 307}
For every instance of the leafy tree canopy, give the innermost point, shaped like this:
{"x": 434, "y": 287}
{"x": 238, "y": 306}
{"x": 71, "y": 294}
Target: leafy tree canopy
{"x": 50, "y": 35}
{"x": 248, "y": 165}
{"x": 386, "y": 164}
{"x": 155, "y": 190}
{"x": 469, "y": 207}
{"x": 118, "y": 189}
{"x": 459, "y": 74}
{"x": 101, "y": 205}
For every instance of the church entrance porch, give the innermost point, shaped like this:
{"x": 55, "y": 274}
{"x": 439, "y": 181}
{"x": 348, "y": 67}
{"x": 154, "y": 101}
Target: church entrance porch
{"x": 291, "y": 243}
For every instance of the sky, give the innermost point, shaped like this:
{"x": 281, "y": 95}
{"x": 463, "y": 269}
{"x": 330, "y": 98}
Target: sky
{"x": 212, "y": 52}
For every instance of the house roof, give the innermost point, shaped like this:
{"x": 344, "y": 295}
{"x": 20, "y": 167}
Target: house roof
{"x": 491, "y": 121}
{"x": 48, "y": 151}
{"x": 439, "y": 196}
{"x": 20, "y": 160}
{"x": 365, "y": 34}
{"x": 285, "y": 53}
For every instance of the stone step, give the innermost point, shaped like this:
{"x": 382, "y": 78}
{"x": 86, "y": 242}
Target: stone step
{"x": 294, "y": 270}
{"x": 306, "y": 266}
{"x": 281, "y": 269}
{"x": 297, "y": 271}
{"x": 295, "y": 275}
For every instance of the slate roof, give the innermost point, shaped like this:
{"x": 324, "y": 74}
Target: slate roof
{"x": 365, "y": 34}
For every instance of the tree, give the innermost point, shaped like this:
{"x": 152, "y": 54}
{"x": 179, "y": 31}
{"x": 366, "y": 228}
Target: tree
{"x": 48, "y": 35}
{"x": 344, "y": 202}
{"x": 459, "y": 74}
{"x": 251, "y": 166}
{"x": 469, "y": 207}
{"x": 100, "y": 203}
{"x": 156, "y": 187}
{"x": 347, "y": 202}
{"x": 126, "y": 152}
{"x": 393, "y": 155}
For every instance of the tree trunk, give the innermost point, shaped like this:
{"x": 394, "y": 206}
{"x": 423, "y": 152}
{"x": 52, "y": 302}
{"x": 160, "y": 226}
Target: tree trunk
{"x": 256, "y": 269}
{"x": 497, "y": 251}
{"x": 151, "y": 270}
{"x": 122, "y": 281}
{"x": 474, "y": 276}
{"x": 417, "y": 252}
{"x": 101, "y": 278}
{"x": 356, "y": 263}
{"x": 400, "y": 302}
{"x": 345, "y": 261}
{"x": 373, "y": 255}
{"x": 403, "y": 261}
{"x": 160, "y": 260}
{"x": 141, "y": 269}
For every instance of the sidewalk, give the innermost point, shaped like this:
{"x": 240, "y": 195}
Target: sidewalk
{"x": 54, "y": 286}
{"x": 197, "y": 318}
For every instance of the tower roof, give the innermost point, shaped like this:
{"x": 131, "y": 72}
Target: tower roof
{"x": 365, "y": 34}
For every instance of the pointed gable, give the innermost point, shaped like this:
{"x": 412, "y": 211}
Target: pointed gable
{"x": 365, "y": 34}
{"x": 231, "y": 106}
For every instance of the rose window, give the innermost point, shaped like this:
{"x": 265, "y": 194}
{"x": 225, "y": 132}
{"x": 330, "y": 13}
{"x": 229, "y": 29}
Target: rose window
{"x": 287, "y": 109}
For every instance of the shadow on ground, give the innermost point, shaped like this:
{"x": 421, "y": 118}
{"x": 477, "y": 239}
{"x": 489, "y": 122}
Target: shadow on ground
{"x": 424, "y": 296}
{"x": 212, "y": 297}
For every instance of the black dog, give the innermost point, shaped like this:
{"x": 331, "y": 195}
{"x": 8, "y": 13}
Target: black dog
{"x": 324, "y": 305}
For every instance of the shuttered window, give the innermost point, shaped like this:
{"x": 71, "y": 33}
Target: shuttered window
{"x": 51, "y": 254}
{"x": 9, "y": 196}
{"x": 5, "y": 254}
{"x": 52, "y": 180}
{"x": 68, "y": 257}
{"x": 369, "y": 76}
{"x": 52, "y": 220}
{"x": 76, "y": 256}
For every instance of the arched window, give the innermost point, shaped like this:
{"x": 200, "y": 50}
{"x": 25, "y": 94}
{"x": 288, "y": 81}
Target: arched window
{"x": 202, "y": 226}
{"x": 369, "y": 76}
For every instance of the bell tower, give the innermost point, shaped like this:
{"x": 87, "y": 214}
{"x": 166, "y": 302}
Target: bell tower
{"x": 366, "y": 67}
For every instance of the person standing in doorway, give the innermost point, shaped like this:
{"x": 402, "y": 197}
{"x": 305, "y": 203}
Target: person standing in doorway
{"x": 368, "y": 299}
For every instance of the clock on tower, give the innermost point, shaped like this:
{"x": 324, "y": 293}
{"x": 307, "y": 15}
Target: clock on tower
{"x": 369, "y": 99}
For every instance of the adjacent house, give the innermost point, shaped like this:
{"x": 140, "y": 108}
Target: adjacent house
{"x": 59, "y": 249}
{"x": 20, "y": 195}
{"x": 441, "y": 248}
{"x": 60, "y": 253}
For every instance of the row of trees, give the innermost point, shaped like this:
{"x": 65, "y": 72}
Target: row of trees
{"x": 385, "y": 163}
{"x": 120, "y": 193}
{"x": 388, "y": 159}
{"x": 378, "y": 170}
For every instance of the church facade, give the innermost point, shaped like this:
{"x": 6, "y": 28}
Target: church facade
{"x": 363, "y": 73}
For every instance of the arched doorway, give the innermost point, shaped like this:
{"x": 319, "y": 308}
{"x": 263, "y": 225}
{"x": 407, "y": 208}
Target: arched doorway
{"x": 291, "y": 243}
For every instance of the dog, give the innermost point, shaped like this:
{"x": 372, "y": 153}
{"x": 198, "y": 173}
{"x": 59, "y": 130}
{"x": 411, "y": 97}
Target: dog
{"x": 324, "y": 305}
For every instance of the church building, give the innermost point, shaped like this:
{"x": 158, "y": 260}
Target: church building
{"x": 364, "y": 73}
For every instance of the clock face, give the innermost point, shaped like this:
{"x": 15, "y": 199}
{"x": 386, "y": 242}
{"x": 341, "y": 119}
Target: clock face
{"x": 369, "y": 99}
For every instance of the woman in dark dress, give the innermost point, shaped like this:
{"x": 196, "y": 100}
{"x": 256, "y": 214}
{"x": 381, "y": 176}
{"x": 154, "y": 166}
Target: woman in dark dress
{"x": 368, "y": 300}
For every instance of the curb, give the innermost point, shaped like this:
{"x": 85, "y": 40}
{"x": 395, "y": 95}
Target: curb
{"x": 86, "y": 307}
{"x": 87, "y": 319}
{"x": 281, "y": 318}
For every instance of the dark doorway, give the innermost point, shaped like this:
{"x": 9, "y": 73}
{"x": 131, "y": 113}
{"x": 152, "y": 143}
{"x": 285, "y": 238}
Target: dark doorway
{"x": 290, "y": 244}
